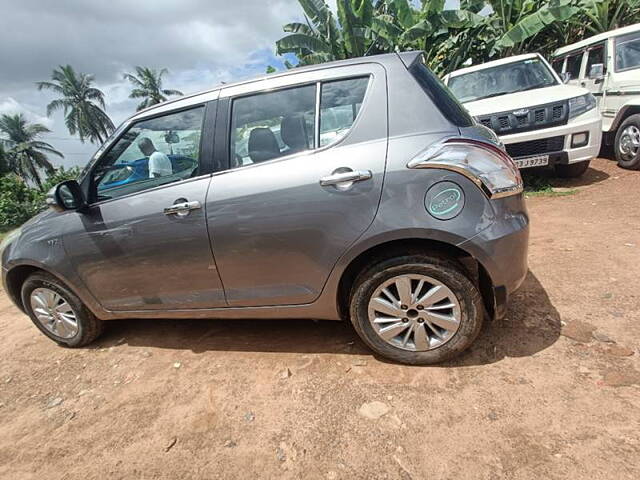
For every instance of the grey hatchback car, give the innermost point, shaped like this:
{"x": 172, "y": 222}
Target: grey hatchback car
{"x": 358, "y": 190}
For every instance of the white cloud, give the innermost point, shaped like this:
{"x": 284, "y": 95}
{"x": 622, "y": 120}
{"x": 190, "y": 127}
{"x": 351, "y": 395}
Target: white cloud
{"x": 11, "y": 106}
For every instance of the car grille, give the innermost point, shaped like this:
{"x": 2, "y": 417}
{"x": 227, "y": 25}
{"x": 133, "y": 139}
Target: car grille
{"x": 527, "y": 119}
{"x": 536, "y": 147}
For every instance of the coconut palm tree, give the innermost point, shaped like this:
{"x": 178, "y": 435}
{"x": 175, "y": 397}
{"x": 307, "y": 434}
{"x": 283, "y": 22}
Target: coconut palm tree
{"x": 82, "y": 103}
{"x": 27, "y": 156}
{"x": 147, "y": 84}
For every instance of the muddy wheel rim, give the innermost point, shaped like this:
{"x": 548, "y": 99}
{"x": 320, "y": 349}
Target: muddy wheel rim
{"x": 414, "y": 312}
{"x": 54, "y": 313}
{"x": 629, "y": 142}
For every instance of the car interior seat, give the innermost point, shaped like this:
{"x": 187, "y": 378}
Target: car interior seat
{"x": 262, "y": 145}
{"x": 294, "y": 133}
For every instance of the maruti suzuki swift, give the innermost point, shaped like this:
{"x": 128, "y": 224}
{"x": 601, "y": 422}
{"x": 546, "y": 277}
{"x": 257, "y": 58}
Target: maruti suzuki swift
{"x": 357, "y": 190}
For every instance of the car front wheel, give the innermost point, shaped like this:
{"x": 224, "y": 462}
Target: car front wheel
{"x": 627, "y": 143}
{"x": 416, "y": 309}
{"x": 58, "y": 312}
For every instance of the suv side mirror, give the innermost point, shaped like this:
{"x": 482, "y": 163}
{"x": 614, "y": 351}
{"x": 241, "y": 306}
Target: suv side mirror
{"x": 565, "y": 77}
{"x": 66, "y": 196}
{"x": 596, "y": 72}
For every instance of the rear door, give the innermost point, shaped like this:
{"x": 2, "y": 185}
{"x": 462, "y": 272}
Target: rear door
{"x": 306, "y": 163}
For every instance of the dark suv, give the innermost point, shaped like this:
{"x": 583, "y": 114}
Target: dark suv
{"x": 356, "y": 190}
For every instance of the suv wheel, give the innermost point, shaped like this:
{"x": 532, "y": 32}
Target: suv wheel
{"x": 627, "y": 144}
{"x": 58, "y": 313}
{"x": 572, "y": 170}
{"x": 416, "y": 309}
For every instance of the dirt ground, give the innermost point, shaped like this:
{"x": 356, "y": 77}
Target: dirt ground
{"x": 552, "y": 391}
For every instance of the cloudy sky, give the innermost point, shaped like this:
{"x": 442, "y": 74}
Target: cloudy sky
{"x": 201, "y": 42}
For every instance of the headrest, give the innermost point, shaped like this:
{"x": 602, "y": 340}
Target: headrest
{"x": 263, "y": 145}
{"x": 293, "y": 132}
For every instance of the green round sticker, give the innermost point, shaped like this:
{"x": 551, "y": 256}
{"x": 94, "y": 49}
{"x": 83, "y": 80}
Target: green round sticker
{"x": 444, "y": 200}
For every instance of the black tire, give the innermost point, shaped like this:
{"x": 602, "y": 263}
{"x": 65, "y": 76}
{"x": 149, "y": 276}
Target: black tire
{"x": 633, "y": 163}
{"x": 572, "y": 170}
{"x": 443, "y": 269}
{"x": 89, "y": 327}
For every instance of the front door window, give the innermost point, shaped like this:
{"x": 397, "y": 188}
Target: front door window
{"x": 152, "y": 152}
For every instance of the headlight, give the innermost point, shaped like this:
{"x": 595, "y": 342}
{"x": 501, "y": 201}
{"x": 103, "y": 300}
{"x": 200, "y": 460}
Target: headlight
{"x": 491, "y": 169}
{"x": 581, "y": 104}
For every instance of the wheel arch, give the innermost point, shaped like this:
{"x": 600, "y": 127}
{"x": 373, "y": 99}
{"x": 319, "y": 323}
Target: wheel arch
{"x": 18, "y": 274}
{"x": 414, "y": 245}
{"x": 625, "y": 112}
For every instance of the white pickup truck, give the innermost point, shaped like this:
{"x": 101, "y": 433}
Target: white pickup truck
{"x": 541, "y": 120}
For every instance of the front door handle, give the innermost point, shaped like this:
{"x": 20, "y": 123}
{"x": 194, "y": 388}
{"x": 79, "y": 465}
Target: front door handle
{"x": 345, "y": 178}
{"x": 182, "y": 209}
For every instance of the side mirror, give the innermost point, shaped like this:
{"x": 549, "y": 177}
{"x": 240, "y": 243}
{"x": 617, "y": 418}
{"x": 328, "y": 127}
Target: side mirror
{"x": 66, "y": 196}
{"x": 596, "y": 71}
{"x": 565, "y": 77}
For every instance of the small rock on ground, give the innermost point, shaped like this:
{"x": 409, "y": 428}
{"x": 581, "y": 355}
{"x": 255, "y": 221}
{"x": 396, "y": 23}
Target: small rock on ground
{"x": 578, "y": 331}
{"x": 373, "y": 410}
{"x": 620, "y": 351}
{"x": 602, "y": 337}
{"x": 54, "y": 402}
{"x": 170, "y": 445}
{"x": 625, "y": 378}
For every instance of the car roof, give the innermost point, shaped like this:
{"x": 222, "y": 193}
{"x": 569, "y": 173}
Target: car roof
{"x": 494, "y": 63}
{"x": 406, "y": 57}
{"x": 596, "y": 39}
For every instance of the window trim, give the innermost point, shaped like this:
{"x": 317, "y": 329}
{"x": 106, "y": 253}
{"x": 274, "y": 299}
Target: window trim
{"x": 318, "y": 84}
{"x": 596, "y": 46}
{"x": 575, "y": 53}
{"x": 615, "y": 52}
{"x": 202, "y": 172}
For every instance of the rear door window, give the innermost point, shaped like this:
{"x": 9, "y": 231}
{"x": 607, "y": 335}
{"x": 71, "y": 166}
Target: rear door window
{"x": 273, "y": 124}
{"x": 340, "y": 102}
{"x": 270, "y": 125}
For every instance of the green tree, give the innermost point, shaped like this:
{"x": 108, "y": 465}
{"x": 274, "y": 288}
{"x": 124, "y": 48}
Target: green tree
{"x": 27, "y": 156}
{"x": 321, "y": 38}
{"x": 147, "y": 84}
{"x": 18, "y": 202}
{"x": 476, "y": 32}
{"x": 83, "y": 104}
{"x": 4, "y": 160}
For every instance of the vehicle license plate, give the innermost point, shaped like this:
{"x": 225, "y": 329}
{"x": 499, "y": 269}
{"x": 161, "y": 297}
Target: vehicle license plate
{"x": 528, "y": 162}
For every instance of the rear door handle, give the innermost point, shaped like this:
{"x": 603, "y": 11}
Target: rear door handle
{"x": 182, "y": 209}
{"x": 344, "y": 178}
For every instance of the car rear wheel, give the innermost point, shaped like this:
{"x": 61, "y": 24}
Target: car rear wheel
{"x": 59, "y": 313}
{"x": 416, "y": 309}
{"x": 572, "y": 170}
{"x": 627, "y": 143}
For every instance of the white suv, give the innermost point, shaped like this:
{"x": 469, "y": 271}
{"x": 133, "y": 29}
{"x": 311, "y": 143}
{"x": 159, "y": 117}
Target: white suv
{"x": 609, "y": 66}
{"x": 540, "y": 120}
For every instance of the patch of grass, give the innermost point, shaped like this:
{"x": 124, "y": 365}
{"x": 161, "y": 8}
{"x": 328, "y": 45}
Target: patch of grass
{"x": 538, "y": 185}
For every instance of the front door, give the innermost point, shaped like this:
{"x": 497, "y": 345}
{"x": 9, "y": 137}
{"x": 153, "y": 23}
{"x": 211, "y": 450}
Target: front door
{"x": 143, "y": 243}
{"x": 306, "y": 170}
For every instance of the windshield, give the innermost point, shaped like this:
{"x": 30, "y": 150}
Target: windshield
{"x": 502, "y": 80}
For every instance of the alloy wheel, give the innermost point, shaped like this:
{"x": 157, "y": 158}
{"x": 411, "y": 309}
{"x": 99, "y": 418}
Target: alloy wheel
{"x": 54, "y": 313}
{"x": 414, "y": 312}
